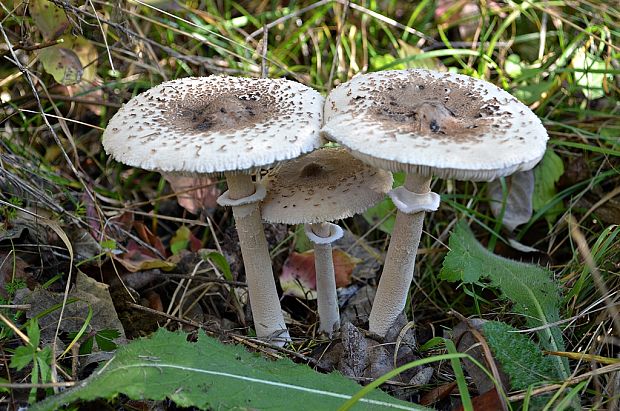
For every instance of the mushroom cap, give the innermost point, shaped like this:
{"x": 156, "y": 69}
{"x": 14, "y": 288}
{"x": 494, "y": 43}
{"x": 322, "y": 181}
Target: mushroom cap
{"x": 325, "y": 185}
{"x": 431, "y": 123}
{"x": 215, "y": 124}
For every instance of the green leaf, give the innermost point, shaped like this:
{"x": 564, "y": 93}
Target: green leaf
{"x": 180, "y": 240}
{"x": 531, "y": 288}
{"x": 48, "y": 18}
{"x": 22, "y": 356}
{"x": 220, "y": 262}
{"x": 87, "y": 346}
{"x": 513, "y": 66}
{"x": 521, "y": 359}
{"x": 384, "y": 213}
{"x": 62, "y": 63}
{"x": 302, "y": 243}
{"x": 44, "y": 360}
{"x": 546, "y": 174}
{"x": 105, "y": 339}
{"x": 591, "y": 74}
{"x": 531, "y": 92}
{"x": 34, "y": 332}
{"x": 210, "y": 375}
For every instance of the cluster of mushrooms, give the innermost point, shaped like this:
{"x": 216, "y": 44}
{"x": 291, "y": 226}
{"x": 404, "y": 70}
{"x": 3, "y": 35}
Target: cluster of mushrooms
{"x": 420, "y": 122}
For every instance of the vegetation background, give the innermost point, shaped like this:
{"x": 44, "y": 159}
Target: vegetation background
{"x": 67, "y": 210}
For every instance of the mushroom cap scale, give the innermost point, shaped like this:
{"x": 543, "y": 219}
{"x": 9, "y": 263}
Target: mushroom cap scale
{"x": 326, "y": 185}
{"x": 431, "y": 123}
{"x": 215, "y": 124}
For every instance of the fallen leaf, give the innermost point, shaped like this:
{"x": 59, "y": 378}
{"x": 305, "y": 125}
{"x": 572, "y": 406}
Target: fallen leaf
{"x": 48, "y": 18}
{"x": 489, "y": 401}
{"x": 298, "y": 276}
{"x": 138, "y": 258}
{"x": 147, "y": 235}
{"x": 438, "y": 393}
{"x": 87, "y": 294}
{"x": 62, "y": 63}
{"x": 194, "y": 193}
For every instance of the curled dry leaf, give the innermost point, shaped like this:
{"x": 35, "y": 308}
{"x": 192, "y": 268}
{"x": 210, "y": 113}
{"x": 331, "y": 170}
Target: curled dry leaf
{"x": 298, "y": 276}
{"x": 518, "y": 210}
{"x": 139, "y": 258}
{"x": 194, "y": 193}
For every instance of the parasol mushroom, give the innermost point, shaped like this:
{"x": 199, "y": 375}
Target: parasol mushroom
{"x": 326, "y": 185}
{"x": 202, "y": 126}
{"x": 427, "y": 123}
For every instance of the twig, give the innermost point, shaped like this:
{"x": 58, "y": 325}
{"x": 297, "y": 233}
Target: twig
{"x": 571, "y": 381}
{"x": 16, "y": 306}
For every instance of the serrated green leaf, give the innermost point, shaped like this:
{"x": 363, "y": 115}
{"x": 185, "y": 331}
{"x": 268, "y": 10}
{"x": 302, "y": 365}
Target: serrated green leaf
{"x": 62, "y": 63}
{"x": 546, "y": 174}
{"x": 209, "y": 374}
{"x": 521, "y": 359}
{"x": 21, "y": 357}
{"x": 531, "y": 288}
{"x": 104, "y": 341}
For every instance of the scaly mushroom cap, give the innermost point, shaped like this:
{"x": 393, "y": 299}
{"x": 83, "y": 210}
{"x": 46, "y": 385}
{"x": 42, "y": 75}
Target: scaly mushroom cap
{"x": 215, "y": 124}
{"x": 325, "y": 185}
{"x": 432, "y": 123}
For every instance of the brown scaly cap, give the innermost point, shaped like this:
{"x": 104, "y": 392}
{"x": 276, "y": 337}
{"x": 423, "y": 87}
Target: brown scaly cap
{"x": 432, "y": 123}
{"x": 325, "y": 185}
{"x": 215, "y": 124}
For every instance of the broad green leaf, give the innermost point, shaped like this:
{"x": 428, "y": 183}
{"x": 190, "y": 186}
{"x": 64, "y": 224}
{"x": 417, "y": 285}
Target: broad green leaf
{"x": 48, "y": 18}
{"x": 546, "y": 174}
{"x": 62, "y": 63}
{"x": 531, "y": 92}
{"x": 531, "y": 288}
{"x": 591, "y": 74}
{"x": 210, "y": 375}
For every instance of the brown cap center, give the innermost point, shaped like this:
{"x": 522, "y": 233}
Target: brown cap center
{"x": 434, "y": 110}
{"x": 221, "y": 113}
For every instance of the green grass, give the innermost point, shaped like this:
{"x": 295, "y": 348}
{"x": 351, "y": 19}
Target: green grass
{"x": 559, "y": 57}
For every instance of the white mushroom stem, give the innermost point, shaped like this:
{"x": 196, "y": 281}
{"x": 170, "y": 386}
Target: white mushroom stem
{"x": 264, "y": 300}
{"x": 400, "y": 259}
{"x": 323, "y": 235}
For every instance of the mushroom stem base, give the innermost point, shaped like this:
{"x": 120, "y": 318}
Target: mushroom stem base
{"x": 327, "y": 299}
{"x": 268, "y": 318}
{"x": 399, "y": 263}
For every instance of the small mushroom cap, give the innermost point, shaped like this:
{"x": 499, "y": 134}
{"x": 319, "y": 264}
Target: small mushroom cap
{"x": 432, "y": 123}
{"x": 325, "y": 185}
{"x": 215, "y": 124}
